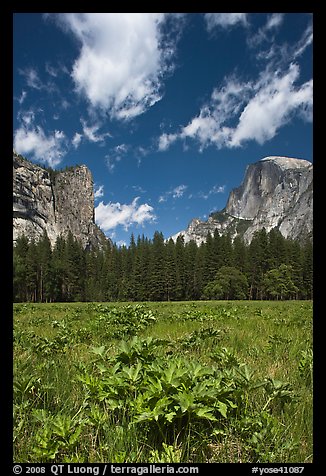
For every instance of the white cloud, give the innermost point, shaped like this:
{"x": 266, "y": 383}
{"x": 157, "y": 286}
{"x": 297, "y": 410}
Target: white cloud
{"x": 258, "y": 108}
{"x": 99, "y": 192}
{"x": 111, "y": 162}
{"x": 274, "y": 21}
{"x": 275, "y": 101}
{"x": 177, "y": 192}
{"x": 32, "y": 78}
{"x": 76, "y": 140}
{"x": 26, "y": 117}
{"x": 122, "y": 60}
{"x": 49, "y": 149}
{"x": 115, "y": 155}
{"x": 265, "y": 33}
{"x": 111, "y": 215}
{"x": 304, "y": 42}
{"x": 165, "y": 140}
{"x": 213, "y": 191}
{"x": 22, "y": 97}
{"x": 224, "y": 20}
{"x": 90, "y": 132}
{"x": 121, "y": 243}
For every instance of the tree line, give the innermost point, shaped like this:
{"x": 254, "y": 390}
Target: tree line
{"x": 270, "y": 267}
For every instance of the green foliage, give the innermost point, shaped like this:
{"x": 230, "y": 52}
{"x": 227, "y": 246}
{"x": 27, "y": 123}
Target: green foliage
{"x": 195, "y": 382}
{"x": 271, "y": 267}
{"x": 229, "y": 283}
{"x": 306, "y": 366}
{"x": 279, "y": 283}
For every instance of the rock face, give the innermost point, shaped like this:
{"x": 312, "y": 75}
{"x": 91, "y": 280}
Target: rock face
{"x": 57, "y": 202}
{"x": 277, "y": 192}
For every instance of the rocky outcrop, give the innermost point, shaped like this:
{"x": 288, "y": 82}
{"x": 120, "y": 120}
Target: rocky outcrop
{"x": 57, "y": 202}
{"x": 277, "y": 192}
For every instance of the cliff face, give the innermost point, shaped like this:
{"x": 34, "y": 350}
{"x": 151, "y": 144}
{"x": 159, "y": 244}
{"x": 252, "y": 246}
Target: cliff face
{"x": 276, "y": 192}
{"x": 58, "y": 203}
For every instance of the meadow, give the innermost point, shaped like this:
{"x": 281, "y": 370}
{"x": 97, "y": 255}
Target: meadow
{"x": 164, "y": 382}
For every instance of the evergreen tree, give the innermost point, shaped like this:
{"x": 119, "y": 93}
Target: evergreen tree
{"x": 279, "y": 283}
{"x": 199, "y": 272}
{"x": 190, "y": 270}
{"x": 210, "y": 260}
{"x": 275, "y": 267}
{"x": 307, "y": 270}
{"x": 180, "y": 269}
{"x": 240, "y": 255}
{"x": 45, "y": 270}
{"x": 229, "y": 283}
{"x": 171, "y": 275}
{"x": 258, "y": 257}
{"x": 277, "y": 251}
{"x": 31, "y": 272}
{"x": 75, "y": 269}
{"x": 113, "y": 274}
{"x": 20, "y": 269}
{"x": 157, "y": 290}
{"x": 59, "y": 267}
{"x": 140, "y": 272}
{"x": 294, "y": 260}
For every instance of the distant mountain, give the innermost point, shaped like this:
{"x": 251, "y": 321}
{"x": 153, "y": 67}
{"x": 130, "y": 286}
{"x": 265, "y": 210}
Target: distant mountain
{"x": 55, "y": 201}
{"x": 277, "y": 192}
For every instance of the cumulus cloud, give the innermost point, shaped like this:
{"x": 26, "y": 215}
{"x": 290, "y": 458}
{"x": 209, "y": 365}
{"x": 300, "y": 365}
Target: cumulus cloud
{"x": 275, "y": 101}
{"x": 46, "y": 148}
{"x": 224, "y": 20}
{"x": 109, "y": 216}
{"x": 165, "y": 140}
{"x": 122, "y": 60}
{"x": 258, "y": 108}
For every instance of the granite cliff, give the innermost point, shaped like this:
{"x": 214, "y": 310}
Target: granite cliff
{"x": 54, "y": 201}
{"x": 277, "y": 192}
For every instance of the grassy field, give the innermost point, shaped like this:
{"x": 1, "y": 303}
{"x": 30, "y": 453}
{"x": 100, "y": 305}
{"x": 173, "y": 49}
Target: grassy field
{"x": 163, "y": 382}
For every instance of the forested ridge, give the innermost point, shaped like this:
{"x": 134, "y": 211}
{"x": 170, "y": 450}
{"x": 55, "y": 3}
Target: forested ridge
{"x": 270, "y": 267}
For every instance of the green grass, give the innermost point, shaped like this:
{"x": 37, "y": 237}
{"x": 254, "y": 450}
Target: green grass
{"x": 91, "y": 382}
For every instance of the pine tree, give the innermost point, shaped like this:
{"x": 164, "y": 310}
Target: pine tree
{"x": 180, "y": 284}
{"x": 157, "y": 290}
{"x": 294, "y": 260}
{"x": 240, "y": 255}
{"x": 307, "y": 269}
{"x": 277, "y": 252}
{"x": 75, "y": 270}
{"x": 170, "y": 271}
{"x": 20, "y": 269}
{"x": 31, "y": 272}
{"x": 113, "y": 273}
{"x": 59, "y": 267}
{"x": 258, "y": 263}
{"x": 45, "y": 275}
{"x": 190, "y": 269}
{"x": 199, "y": 272}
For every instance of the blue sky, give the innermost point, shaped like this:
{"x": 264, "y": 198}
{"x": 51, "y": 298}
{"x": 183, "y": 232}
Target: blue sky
{"x": 166, "y": 110}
